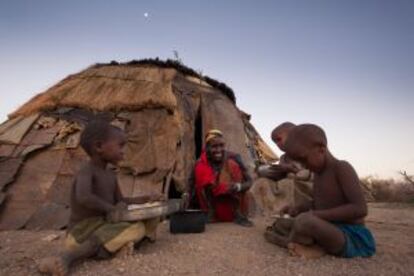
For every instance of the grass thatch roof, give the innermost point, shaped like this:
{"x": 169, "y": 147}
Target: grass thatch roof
{"x": 180, "y": 67}
{"x": 113, "y": 86}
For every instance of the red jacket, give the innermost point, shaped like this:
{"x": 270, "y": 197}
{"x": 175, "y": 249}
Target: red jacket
{"x": 205, "y": 175}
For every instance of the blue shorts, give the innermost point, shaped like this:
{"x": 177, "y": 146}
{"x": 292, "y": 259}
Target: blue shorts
{"x": 359, "y": 241}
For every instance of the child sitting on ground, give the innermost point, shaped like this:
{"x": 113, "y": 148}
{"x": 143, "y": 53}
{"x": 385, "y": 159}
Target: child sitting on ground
{"x": 95, "y": 229}
{"x": 335, "y": 219}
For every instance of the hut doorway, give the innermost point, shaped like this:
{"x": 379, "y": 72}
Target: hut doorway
{"x": 198, "y": 135}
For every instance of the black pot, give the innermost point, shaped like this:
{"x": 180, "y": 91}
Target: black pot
{"x": 188, "y": 221}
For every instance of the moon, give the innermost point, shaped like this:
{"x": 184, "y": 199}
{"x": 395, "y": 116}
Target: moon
{"x": 146, "y": 15}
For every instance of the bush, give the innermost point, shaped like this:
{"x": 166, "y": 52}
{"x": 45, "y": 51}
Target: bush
{"x": 389, "y": 190}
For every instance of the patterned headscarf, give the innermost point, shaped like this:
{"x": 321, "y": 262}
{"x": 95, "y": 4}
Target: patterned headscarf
{"x": 213, "y": 133}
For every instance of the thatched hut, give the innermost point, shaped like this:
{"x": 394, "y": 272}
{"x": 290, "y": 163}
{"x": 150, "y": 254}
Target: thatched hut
{"x": 164, "y": 107}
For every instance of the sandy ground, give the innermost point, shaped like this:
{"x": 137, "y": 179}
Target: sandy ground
{"x": 226, "y": 249}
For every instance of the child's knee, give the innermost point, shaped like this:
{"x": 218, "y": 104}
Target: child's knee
{"x": 304, "y": 223}
{"x": 133, "y": 233}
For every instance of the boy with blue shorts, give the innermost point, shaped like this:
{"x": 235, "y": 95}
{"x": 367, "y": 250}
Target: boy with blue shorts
{"x": 334, "y": 220}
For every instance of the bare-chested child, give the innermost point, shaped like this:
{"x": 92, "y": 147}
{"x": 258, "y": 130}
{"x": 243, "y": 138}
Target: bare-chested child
{"x": 95, "y": 229}
{"x": 335, "y": 219}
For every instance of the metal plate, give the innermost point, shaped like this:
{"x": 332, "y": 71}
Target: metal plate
{"x": 147, "y": 212}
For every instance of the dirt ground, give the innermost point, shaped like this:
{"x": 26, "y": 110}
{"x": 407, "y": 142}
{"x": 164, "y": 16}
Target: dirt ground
{"x": 226, "y": 249}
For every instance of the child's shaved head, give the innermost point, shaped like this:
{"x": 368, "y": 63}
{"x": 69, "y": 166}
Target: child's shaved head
{"x": 282, "y": 128}
{"x": 304, "y": 137}
{"x": 96, "y": 131}
{"x": 280, "y": 133}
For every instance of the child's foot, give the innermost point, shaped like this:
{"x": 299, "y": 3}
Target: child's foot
{"x": 54, "y": 266}
{"x": 151, "y": 237}
{"x": 145, "y": 240}
{"x": 307, "y": 252}
{"x": 275, "y": 238}
{"x": 103, "y": 254}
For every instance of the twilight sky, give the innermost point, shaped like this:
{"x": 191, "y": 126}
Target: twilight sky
{"x": 345, "y": 65}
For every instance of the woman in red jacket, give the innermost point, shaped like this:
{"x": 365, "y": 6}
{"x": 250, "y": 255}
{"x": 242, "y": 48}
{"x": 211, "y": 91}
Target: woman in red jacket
{"x": 221, "y": 182}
